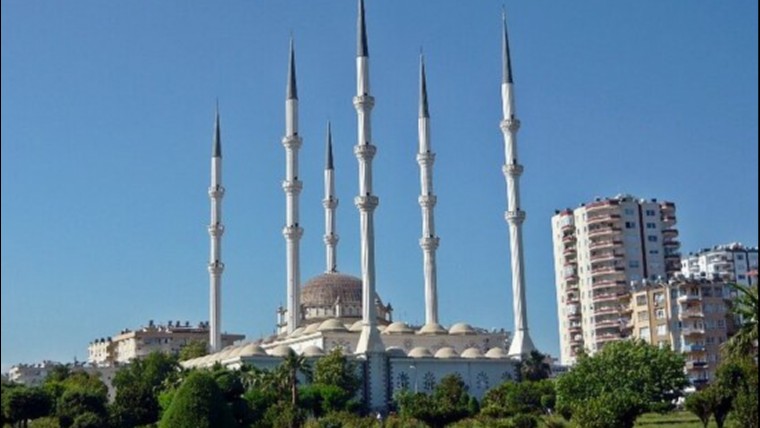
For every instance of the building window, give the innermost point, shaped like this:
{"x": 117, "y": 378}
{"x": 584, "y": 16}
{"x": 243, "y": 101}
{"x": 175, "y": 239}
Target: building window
{"x": 633, "y": 263}
{"x": 651, "y": 225}
{"x": 428, "y": 382}
{"x": 403, "y": 381}
{"x": 630, "y": 225}
{"x": 644, "y": 333}
{"x": 649, "y": 213}
{"x": 654, "y": 251}
{"x": 662, "y": 330}
{"x": 652, "y": 238}
{"x": 641, "y": 300}
{"x": 628, "y": 211}
{"x": 643, "y": 316}
{"x": 660, "y": 314}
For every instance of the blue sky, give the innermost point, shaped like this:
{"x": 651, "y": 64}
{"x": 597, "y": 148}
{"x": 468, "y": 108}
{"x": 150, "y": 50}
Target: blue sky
{"x": 107, "y": 119}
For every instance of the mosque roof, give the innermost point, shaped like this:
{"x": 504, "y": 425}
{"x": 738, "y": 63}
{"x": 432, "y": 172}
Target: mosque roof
{"x": 325, "y": 289}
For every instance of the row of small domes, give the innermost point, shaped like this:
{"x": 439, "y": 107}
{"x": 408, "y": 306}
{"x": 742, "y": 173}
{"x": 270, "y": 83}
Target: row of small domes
{"x": 398, "y": 327}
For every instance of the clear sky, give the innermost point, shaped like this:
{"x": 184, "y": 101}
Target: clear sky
{"x": 107, "y": 121}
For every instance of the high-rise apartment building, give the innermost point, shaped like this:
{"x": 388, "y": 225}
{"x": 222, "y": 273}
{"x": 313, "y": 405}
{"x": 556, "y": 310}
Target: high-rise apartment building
{"x": 690, "y": 316}
{"x": 599, "y": 249}
{"x": 731, "y": 262}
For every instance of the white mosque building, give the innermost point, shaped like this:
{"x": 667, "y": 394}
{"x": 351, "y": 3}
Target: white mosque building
{"x": 337, "y": 310}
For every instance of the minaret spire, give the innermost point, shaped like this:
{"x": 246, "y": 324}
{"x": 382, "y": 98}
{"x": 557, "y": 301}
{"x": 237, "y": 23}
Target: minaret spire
{"x": 330, "y": 202}
{"x": 366, "y": 202}
{"x": 292, "y": 187}
{"x": 521, "y": 342}
{"x": 429, "y": 241}
{"x": 215, "y": 231}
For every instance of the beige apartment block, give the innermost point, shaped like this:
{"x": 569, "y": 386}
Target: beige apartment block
{"x": 600, "y": 247}
{"x": 734, "y": 262}
{"x": 169, "y": 338}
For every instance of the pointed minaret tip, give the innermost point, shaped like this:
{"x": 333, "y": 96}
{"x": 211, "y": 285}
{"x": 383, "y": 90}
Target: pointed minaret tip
{"x": 329, "y": 153}
{"x": 292, "y": 92}
{"x": 217, "y": 150}
{"x": 423, "y": 89}
{"x": 361, "y": 33}
{"x": 507, "y": 65}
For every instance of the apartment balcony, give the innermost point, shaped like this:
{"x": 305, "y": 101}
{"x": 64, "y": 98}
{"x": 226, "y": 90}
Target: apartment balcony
{"x": 694, "y": 348}
{"x": 607, "y": 270}
{"x": 605, "y": 243}
{"x": 673, "y": 256}
{"x": 671, "y": 243}
{"x": 576, "y": 339}
{"x": 569, "y": 250}
{"x": 603, "y": 218}
{"x": 567, "y": 227}
{"x": 605, "y": 257}
{"x": 684, "y": 298}
{"x": 697, "y": 365}
{"x": 572, "y": 299}
{"x": 569, "y": 238}
{"x": 607, "y": 310}
{"x": 606, "y": 297}
{"x": 691, "y": 314}
{"x": 604, "y": 231}
{"x": 669, "y": 232}
{"x": 575, "y": 329}
{"x": 693, "y": 331}
{"x": 599, "y": 206}
{"x": 572, "y": 316}
{"x": 609, "y": 337}
{"x": 607, "y": 324}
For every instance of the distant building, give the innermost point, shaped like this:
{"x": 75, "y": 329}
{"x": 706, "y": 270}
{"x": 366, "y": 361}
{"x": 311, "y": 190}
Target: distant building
{"x": 169, "y": 339}
{"x": 35, "y": 374}
{"x": 599, "y": 248}
{"x": 689, "y": 316}
{"x": 733, "y": 262}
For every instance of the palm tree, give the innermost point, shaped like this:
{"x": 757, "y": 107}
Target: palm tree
{"x": 744, "y": 306}
{"x": 291, "y": 365}
{"x": 534, "y": 367}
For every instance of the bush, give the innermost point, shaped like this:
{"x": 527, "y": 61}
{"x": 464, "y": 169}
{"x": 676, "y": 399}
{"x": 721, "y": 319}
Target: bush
{"x": 524, "y": 421}
{"x": 198, "y": 404}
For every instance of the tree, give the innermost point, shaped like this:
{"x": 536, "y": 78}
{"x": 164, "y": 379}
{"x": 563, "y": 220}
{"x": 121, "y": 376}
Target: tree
{"x": 291, "y": 366}
{"x": 137, "y": 389}
{"x": 745, "y": 307}
{"x": 22, "y": 403}
{"x": 512, "y": 398}
{"x": 644, "y": 376}
{"x": 735, "y": 388}
{"x": 193, "y": 349}
{"x": 700, "y": 404}
{"x": 449, "y": 403}
{"x": 335, "y": 369}
{"x": 77, "y": 402}
{"x": 198, "y": 404}
{"x": 534, "y": 367}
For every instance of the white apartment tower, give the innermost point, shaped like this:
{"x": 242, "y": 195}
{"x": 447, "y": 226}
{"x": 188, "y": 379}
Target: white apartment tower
{"x": 599, "y": 249}
{"x": 733, "y": 262}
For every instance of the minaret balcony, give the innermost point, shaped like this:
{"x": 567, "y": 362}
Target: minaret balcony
{"x": 425, "y": 159}
{"x": 515, "y": 216}
{"x": 331, "y": 239}
{"x": 292, "y": 186}
{"x": 365, "y": 151}
{"x": 292, "y": 142}
{"x": 216, "y": 192}
{"x": 429, "y": 242}
{"x": 292, "y": 232}
{"x": 216, "y": 230}
{"x": 512, "y": 170}
{"x": 364, "y": 102}
{"x": 216, "y": 267}
{"x": 427, "y": 201}
{"x": 366, "y": 203}
{"x": 510, "y": 125}
{"x": 330, "y": 203}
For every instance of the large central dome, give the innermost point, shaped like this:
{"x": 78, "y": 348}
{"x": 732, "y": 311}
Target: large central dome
{"x": 326, "y": 289}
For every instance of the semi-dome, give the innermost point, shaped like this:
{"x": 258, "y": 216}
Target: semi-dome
{"x": 497, "y": 352}
{"x": 420, "y": 352}
{"x": 326, "y": 289}
{"x": 332, "y": 325}
{"x": 280, "y": 351}
{"x": 251, "y": 350}
{"x": 297, "y": 332}
{"x": 356, "y": 326}
{"x": 446, "y": 352}
{"x": 311, "y": 328}
{"x": 312, "y": 351}
{"x": 398, "y": 327}
{"x": 462, "y": 328}
{"x": 472, "y": 353}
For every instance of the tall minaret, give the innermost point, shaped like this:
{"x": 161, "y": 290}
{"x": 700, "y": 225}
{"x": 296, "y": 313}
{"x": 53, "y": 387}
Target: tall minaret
{"x": 330, "y": 202}
{"x": 427, "y": 200}
{"x": 366, "y": 202}
{"x": 215, "y": 231}
{"x": 521, "y": 342}
{"x": 292, "y": 187}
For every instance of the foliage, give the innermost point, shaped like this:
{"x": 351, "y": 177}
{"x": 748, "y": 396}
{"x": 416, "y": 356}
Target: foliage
{"x": 745, "y": 307}
{"x": 138, "y": 386}
{"x": 284, "y": 415}
{"x": 524, "y": 421}
{"x": 198, "y": 404}
{"x": 62, "y": 379}
{"x": 335, "y": 369}
{"x": 745, "y": 402}
{"x": 554, "y": 422}
{"x": 630, "y": 377}
{"x": 22, "y": 403}
{"x": 534, "y": 367}
{"x": 291, "y": 366}
{"x": 512, "y": 398}
{"x": 193, "y": 349}
{"x": 448, "y": 403}
{"x": 320, "y": 399}
{"x": 342, "y": 419}
{"x": 81, "y": 407}
{"x": 700, "y": 403}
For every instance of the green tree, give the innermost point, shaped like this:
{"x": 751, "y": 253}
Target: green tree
{"x": 512, "y": 398}
{"x": 449, "y": 403}
{"x": 291, "y": 366}
{"x": 138, "y": 386}
{"x": 335, "y": 369}
{"x": 75, "y": 403}
{"x": 745, "y": 308}
{"x": 640, "y": 375}
{"x": 198, "y": 404}
{"x": 700, "y": 403}
{"x": 193, "y": 349}
{"x": 534, "y": 367}
{"x": 614, "y": 410}
{"x": 22, "y": 403}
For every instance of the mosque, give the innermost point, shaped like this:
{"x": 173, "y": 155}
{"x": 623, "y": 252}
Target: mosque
{"x": 336, "y": 310}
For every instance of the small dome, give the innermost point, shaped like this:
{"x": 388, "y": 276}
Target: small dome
{"x": 235, "y": 352}
{"x": 332, "y": 325}
{"x": 312, "y": 351}
{"x": 356, "y": 327}
{"x": 432, "y": 328}
{"x": 420, "y": 352}
{"x": 446, "y": 352}
{"x": 398, "y": 327}
{"x": 297, "y": 332}
{"x": 461, "y": 328}
{"x": 395, "y": 351}
{"x": 497, "y": 352}
{"x": 472, "y": 353}
{"x": 311, "y": 328}
{"x": 251, "y": 350}
{"x": 280, "y": 351}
